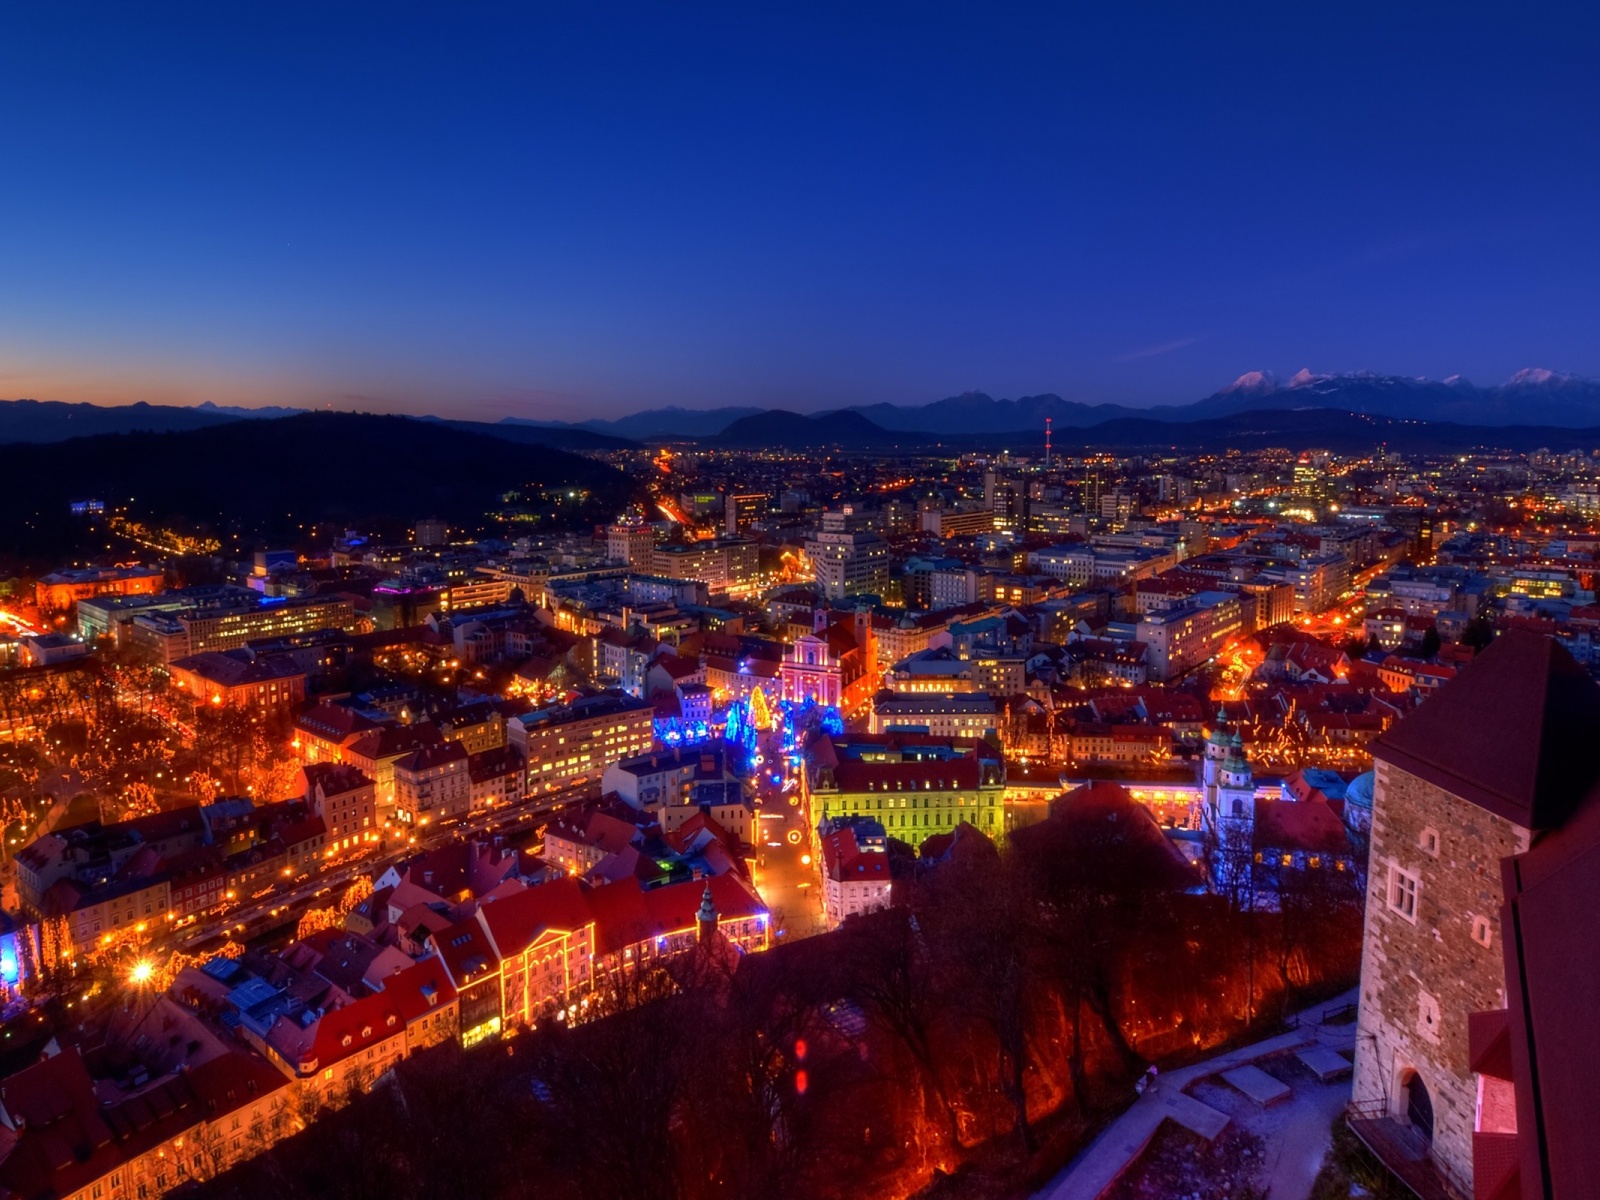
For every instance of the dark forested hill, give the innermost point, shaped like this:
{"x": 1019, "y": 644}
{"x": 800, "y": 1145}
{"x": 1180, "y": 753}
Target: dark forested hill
{"x": 275, "y": 479}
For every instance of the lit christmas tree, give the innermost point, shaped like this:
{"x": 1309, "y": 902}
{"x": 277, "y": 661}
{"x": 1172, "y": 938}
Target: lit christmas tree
{"x": 760, "y": 713}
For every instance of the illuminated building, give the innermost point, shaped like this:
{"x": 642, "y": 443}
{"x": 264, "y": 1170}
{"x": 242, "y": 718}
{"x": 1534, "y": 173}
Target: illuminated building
{"x": 849, "y": 564}
{"x": 935, "y": 583}
{"x": 432, "y": 784}
{"x": 168, "y": 637}
{"x": 216, "y": 1113}
{"x": 1182, "y": 637}
{"x": 239, "y": 679}
{"x": 431, "y": 531}
{"x": 740, "y": 509}
{"x": 855, "y": 869}
{"x": 375, "y": 751}
{"x": 952, "y": 522}
{"x": 517, "y": 961}
{"x": 914, "y": 786}
{"x": 496, "y": 776}
{"x": 936, "y": 671}
{"x": 631, "y": 544}
{"x": 345, "y": 799}
{"x": 723, "y": 565}
{"x": 835, "y": 667}
{"x": 1481, "y": 796}
{"x": 567, "y": 744}
{"x": 60, "y": 590}
{"x": 951, "y": 715}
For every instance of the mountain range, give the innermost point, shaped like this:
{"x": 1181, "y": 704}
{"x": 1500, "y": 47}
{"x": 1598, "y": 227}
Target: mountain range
{"x": 1531, "y": 398}
{"x": 1535, "y": 396}
{"x": 46, "y": 421}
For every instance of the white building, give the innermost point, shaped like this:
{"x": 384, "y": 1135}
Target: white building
{"x": 849, "y": 564}
{"x": 1187, "y": 634}
{"x": 954, "y": 715}
{"x": 855, "y": 872}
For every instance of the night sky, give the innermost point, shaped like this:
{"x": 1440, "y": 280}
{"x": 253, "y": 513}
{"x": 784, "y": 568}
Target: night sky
{"x": 580, "y": 209}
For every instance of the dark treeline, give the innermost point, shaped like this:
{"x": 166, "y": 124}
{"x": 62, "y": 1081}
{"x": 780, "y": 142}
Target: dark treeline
{"x": 976, "y": 1032}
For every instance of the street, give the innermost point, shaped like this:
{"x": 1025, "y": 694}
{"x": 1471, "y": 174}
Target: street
{"x": 786, "y": 873}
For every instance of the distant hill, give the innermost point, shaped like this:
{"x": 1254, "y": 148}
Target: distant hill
{"x": 795, "y": 431}
{"x": 653, "y": 424}
{"x": 54, "y": 421}
{"x": 275, "y": 479}
{"x": 561, "y": 437}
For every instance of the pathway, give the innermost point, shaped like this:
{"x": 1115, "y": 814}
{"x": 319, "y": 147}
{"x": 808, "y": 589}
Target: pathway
{"x": 1099, "y": 1165}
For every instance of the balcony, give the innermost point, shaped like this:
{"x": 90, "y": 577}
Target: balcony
{"x": 1403, "y": 1152}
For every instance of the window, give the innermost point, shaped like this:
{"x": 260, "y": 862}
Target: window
{"x": 1428, "y": 840}
{"x": 1403, "y": 888}
{"x": 1482, "y": 932}
{"x": 1428, "y": 1016}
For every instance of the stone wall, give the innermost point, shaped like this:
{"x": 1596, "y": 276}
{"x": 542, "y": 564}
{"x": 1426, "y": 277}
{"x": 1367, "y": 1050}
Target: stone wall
{"x": 1420, "y": 979}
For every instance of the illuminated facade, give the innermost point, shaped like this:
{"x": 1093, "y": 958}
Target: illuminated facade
{"x": 167, "y": 637}
{"x": 915, "y": 787}
{"x": 571, "y": 744}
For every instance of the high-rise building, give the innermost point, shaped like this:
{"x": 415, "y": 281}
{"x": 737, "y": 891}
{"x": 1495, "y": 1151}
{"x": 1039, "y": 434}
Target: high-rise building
{"x": 431, "y": 531}
{"x": 631, "y": 544}
{"x": 849, "y": 564}
{"x": 739, "y": 509}
{"x": 723, "y": 565}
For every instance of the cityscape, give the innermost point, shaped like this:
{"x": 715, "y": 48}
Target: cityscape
{"x": 1168, "y": 788}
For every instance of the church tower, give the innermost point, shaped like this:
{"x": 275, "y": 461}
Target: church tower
{"x": 1236, "y": 788}
{"x": 706, "y": 918}
{"x": 1218, "y": 743}
{"x": 1227, "y": 809}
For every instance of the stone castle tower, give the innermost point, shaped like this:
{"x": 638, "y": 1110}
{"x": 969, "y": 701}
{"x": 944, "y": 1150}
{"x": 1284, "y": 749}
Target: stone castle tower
{"x": 1498, "y": 756}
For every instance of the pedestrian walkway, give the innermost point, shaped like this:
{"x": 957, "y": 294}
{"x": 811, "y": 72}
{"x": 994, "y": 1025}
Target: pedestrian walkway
{"x": 1099, "y": 1165}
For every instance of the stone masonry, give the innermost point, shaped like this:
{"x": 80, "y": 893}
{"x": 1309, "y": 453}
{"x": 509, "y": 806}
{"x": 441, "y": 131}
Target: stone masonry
{"x": 1421, "y": 977}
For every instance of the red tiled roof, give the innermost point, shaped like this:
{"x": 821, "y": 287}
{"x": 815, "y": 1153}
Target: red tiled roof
{"x": 845, "y": 861}
{"x": 515, "y": 922}
{"x": 466, "y": 951}
{"x": 959, "y": 774}
{"x": 333, "y": 722}
{"x": 624, "y": 914}
{"x": 411, "y": 989}
{"x": 1310, "y": 825}
{"x": 393, "y": 740}
{"x": 356, "y": 1027}
{"x": 1512, "y": 733}
{"x": 335, "y": 779}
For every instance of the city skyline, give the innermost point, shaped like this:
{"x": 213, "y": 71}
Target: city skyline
{"x": 560, "y": 215}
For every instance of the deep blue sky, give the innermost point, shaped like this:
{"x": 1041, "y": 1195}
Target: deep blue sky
{"x": 582, "y": 209}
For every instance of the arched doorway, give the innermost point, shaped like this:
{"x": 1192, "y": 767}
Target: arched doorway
{"x": 1419, "y": 1106}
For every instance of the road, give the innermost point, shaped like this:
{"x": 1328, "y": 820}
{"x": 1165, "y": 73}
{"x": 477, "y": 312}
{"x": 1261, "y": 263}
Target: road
{"x": 786, "y": 876}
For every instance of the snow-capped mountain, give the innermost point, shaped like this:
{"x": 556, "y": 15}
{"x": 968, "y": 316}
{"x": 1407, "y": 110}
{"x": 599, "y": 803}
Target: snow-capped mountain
{"x": 1535, "y": 396}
